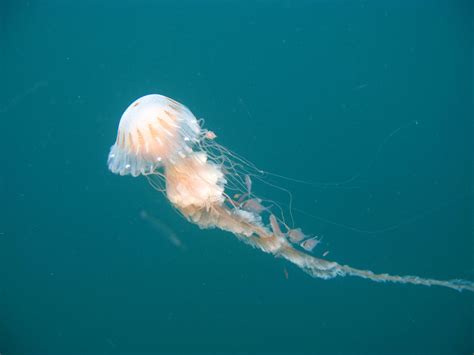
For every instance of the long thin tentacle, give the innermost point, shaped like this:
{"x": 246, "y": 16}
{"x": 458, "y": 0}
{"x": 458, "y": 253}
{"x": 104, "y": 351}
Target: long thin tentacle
{"x": 268, "y": 242}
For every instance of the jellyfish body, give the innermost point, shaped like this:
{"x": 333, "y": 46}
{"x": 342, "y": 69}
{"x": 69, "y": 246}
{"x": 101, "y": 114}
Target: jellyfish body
{"x": 158, "y": 137}
{"x": 153, "y": 131}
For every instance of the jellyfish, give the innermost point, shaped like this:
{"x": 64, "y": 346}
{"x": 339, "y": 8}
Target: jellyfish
{"x": 211, "y": 187}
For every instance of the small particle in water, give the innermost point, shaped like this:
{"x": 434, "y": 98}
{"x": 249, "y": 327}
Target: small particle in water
{"x": 361, "y": 86}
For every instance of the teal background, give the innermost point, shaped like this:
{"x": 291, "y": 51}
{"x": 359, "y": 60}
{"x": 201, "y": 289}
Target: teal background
{"x": 314, "y": 90}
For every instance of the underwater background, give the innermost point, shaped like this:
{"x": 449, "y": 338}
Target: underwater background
{"x": 373, "y": 95}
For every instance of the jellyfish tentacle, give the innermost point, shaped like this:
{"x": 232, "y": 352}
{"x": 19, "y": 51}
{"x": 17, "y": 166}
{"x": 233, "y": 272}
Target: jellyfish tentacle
{"x": 459, "y": 285}
{"x": 245, "y": 228}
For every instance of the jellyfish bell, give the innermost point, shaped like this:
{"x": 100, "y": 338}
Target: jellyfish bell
{"x": 154, "y": 131}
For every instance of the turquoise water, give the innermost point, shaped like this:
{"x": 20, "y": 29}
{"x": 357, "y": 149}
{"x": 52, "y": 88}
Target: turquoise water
{"x": 315, "y": 90}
